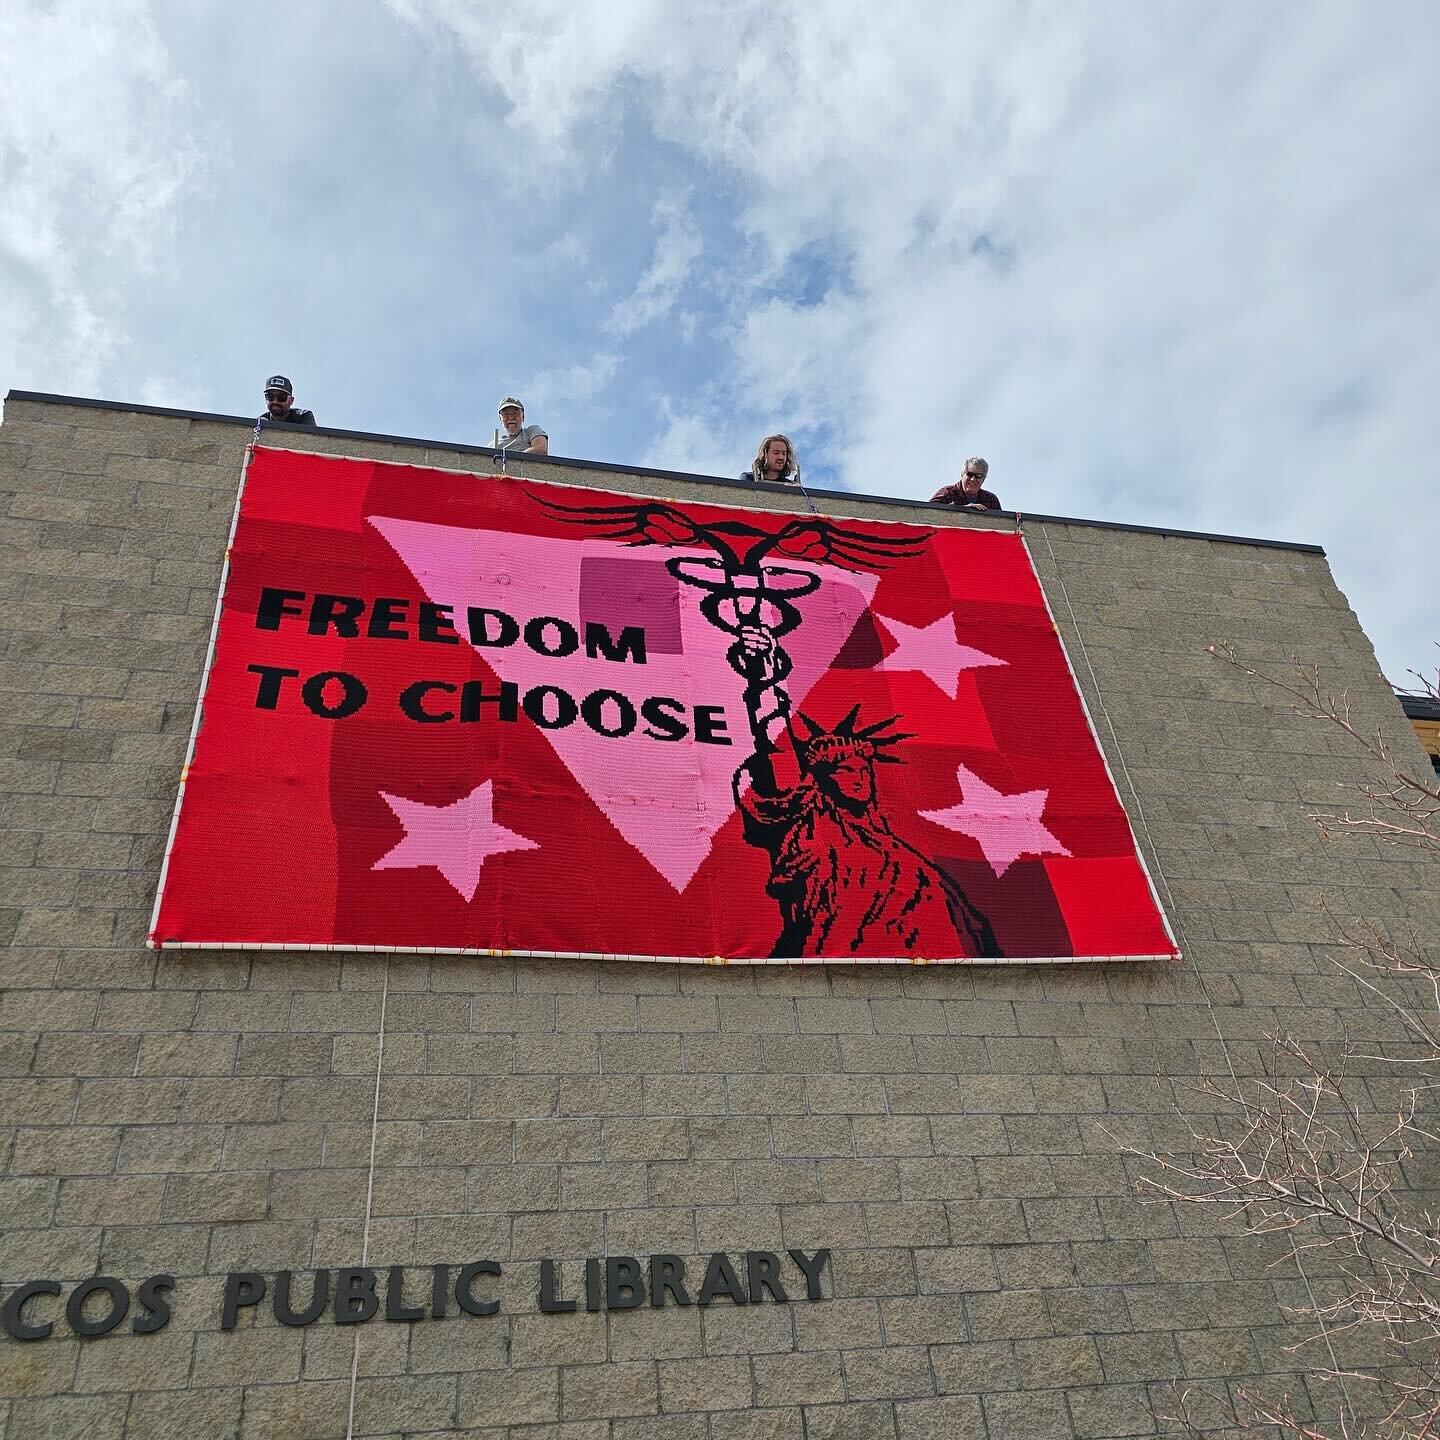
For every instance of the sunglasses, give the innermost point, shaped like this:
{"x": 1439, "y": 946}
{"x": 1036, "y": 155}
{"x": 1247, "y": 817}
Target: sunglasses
{"x": 276, "y": 395}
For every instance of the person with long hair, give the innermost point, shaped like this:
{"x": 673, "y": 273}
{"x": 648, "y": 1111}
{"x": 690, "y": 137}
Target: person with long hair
{"x": 774, "y": 462}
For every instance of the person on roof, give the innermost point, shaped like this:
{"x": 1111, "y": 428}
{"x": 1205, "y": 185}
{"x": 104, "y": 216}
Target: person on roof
{"x": 969, "y": 493}
{"x": 774, "y": 463}
{"x": 515, "y": 437}
{"x": 279, "y": 394}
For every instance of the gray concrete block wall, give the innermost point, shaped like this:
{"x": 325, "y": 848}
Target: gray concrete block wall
{"x": 956, "y": 1135}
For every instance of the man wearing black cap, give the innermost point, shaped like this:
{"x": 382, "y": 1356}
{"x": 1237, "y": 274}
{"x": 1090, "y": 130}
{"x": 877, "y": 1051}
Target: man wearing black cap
{"x": 278, "y": 395}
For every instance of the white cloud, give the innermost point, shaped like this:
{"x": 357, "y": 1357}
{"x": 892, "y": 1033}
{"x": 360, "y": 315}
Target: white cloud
{"x": 568, "y": 252}
{"x": 551, "y": 62}
{"x": 677, "y": 247}
{"x": 696, "y": 442}
{"x": 548, "y": 389}
{"x": 1160, "y": 264}
{"x": 97, "y": 144}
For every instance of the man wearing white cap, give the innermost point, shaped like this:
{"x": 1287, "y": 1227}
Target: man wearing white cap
{"x": 516, "y": 437}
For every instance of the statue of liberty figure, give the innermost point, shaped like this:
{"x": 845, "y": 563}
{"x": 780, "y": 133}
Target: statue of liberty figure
{"x": 845, "y": 883}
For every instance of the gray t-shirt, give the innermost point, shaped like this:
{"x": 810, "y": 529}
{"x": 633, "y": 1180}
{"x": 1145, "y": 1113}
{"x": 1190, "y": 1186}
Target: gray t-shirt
{"x": 521, "y": 439}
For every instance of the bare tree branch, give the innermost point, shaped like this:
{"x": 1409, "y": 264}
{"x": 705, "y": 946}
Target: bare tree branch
{"x": 1317, "y": 1148}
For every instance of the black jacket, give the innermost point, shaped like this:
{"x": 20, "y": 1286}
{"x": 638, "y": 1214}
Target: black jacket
{"x": 293, "y": 416}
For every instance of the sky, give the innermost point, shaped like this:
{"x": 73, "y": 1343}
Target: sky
{"x": 1162, "y": 264}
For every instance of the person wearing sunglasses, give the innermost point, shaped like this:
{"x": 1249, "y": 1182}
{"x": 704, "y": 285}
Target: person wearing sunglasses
{"x": 278, "y": 395}
{"x": 970, "y": 493}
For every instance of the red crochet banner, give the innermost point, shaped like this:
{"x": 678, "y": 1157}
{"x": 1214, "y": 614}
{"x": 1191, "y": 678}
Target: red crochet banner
{"x": 477, "y": 713}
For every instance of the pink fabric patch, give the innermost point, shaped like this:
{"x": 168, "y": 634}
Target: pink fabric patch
{"x": 667, "y": 799}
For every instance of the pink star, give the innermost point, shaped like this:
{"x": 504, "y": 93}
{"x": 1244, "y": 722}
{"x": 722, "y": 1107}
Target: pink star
{"x": 1007, "y": 826}
{"x": 933, "y": 650}
{"x": 457, "y": 839}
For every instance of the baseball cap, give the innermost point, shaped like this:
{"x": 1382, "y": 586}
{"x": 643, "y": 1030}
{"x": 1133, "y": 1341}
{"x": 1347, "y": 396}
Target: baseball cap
{"x": 508, "y": 401}
{"x": 279, "y": 382}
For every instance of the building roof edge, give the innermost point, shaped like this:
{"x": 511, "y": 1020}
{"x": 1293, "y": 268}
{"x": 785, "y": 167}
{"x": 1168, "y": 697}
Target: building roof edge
{"x": 614, "y": 468}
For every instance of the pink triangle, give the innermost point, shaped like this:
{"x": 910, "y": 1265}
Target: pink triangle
{"x": 667, "y": 799}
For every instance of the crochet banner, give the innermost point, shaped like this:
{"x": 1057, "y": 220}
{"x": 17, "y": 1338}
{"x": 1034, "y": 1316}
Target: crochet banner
{"x": 447, "y": 712}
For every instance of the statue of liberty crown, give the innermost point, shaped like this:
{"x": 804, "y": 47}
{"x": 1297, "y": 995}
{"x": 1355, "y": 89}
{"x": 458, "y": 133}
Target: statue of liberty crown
{"x": 828, "y": 747}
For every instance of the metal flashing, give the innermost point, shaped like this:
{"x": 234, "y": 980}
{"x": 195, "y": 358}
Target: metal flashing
{"x": 613, "y": 468}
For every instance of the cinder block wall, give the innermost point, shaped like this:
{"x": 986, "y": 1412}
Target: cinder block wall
{"x": 956, "y": 1135}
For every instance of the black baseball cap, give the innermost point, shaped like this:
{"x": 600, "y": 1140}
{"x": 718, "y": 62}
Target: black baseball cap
{"x": 279, "y": 382}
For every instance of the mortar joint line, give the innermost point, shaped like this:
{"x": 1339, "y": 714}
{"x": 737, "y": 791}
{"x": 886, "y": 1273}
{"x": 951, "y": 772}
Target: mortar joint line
{"x": 1179, "y": 925}
{"x": 1135, "y": 798}
{"x": 369, "y": 1192}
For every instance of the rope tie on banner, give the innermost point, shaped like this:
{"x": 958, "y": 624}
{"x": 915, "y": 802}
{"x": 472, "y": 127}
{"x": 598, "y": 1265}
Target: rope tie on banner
{"x": 369, "y": 1192}
{"x": 1175, "y": 914}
